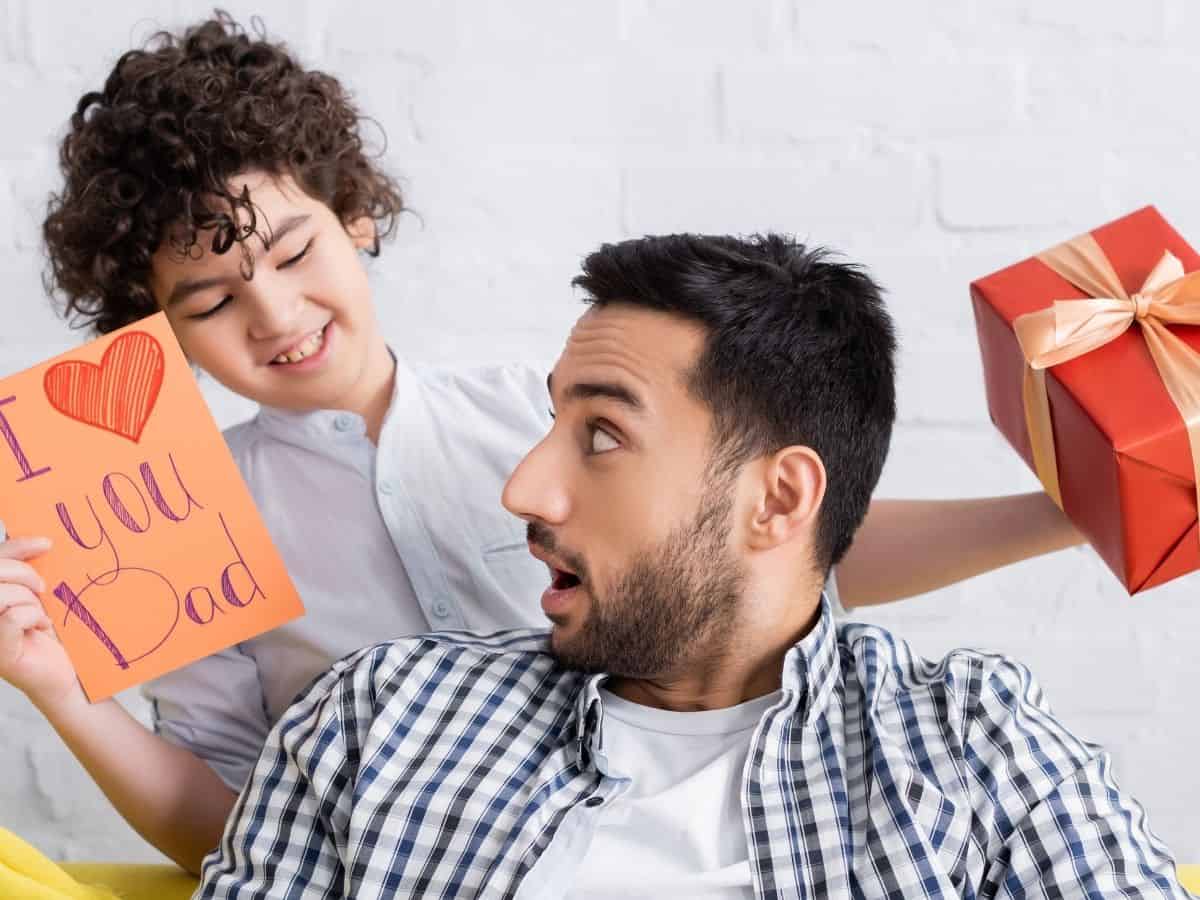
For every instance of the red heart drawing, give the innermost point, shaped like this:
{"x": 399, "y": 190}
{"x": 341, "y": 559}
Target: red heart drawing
{"x": 119, "y": 394}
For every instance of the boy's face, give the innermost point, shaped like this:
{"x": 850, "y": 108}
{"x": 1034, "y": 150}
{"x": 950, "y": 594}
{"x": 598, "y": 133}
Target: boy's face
{"x": 621, "y": 505}
{"x": 301, "y": 333}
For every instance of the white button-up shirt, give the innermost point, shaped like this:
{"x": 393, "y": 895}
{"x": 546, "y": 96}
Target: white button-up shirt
{"x": 380, "y": 543}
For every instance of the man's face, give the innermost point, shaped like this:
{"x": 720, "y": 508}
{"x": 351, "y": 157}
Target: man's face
{"x": 621, "y": 503}
{"x": 301, "y": 333}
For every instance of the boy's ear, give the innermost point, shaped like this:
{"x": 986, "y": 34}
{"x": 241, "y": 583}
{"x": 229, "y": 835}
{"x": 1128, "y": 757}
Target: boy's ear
{"x": 362, "y": 232}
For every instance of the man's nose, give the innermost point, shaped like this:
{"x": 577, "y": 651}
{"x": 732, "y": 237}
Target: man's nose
{"x": 537, "y": 489}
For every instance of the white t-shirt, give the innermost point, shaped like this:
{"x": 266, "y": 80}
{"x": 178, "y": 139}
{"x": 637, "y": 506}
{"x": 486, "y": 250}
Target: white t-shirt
{"x": 678, "y": 829}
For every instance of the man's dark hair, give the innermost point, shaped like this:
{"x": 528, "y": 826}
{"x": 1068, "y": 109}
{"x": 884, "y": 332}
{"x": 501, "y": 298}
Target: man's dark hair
{"x": 149, "y": 158}
{"x": 799, "y": 351}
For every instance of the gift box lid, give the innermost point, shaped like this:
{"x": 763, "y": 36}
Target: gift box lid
{"x": 1117, "y": 385}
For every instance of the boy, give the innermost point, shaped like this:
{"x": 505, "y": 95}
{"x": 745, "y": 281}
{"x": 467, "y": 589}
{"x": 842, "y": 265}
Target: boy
{"x": 215, "y": 178}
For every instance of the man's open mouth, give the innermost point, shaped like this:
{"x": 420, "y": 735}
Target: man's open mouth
{"x": 564, "y": 580}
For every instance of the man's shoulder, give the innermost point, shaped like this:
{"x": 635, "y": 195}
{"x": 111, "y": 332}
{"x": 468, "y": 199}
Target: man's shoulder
{"x": 517, "y": 661}
{"x": 514, "y": 642}
{"x": 511, "y": 642}
{"x": 965, "y": 682}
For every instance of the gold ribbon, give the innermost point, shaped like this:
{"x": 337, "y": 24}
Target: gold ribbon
{"x": 1071, "y": 328}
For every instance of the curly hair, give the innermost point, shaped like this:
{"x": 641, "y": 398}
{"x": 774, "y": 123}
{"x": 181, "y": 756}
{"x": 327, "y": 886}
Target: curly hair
{"x": 149, "y": 158}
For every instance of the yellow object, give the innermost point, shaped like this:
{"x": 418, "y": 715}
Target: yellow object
{"x": 1189, "y": 877}
{"x": 26, "y": 874}
{"x": 131, "y": 882}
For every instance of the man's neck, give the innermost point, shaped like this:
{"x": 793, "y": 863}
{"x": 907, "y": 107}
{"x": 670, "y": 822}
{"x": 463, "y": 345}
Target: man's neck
{"x": 747, "y": 664}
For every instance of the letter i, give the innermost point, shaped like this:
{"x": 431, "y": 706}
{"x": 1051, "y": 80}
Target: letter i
{"x": 27, "y": 471}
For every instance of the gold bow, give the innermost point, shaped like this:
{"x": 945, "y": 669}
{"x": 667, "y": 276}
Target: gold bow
{"x": 1071, "y": 328}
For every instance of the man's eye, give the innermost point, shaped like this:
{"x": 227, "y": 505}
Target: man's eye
{"x": 214, "y": 310}
{"x": 602, "y": 441}
{"x": 299, "y": 256}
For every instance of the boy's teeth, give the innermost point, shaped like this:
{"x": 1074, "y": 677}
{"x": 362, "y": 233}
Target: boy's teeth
{"x": 310, "y": 346}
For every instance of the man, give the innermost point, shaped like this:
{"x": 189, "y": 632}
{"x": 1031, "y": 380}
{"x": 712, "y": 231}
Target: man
{"x": 695, "y": 725}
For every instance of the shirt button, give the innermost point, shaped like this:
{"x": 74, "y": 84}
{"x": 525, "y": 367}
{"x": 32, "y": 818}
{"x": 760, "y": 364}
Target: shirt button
{"x": 594, "y": 801}
{"x": 441, "y": 610}
{"x": 343, "y": 423}
{"x": 385, "y": 488}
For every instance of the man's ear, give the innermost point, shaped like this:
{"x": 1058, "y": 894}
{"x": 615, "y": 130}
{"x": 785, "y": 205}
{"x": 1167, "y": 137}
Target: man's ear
{"x": 790, "y": 494}
{"x": 362, "y": 232}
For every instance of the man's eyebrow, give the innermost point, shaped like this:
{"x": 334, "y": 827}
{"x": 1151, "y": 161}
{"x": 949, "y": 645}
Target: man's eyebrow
{"x": 187, "y": 287}
{"x": 611, "y": 390}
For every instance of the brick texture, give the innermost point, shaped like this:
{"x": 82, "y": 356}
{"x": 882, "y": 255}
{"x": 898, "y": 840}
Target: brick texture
{"x": 934, "y": 141}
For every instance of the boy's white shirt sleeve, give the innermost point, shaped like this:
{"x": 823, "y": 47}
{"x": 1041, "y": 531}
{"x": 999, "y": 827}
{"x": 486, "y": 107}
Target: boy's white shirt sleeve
{"x": 214, "y": 707}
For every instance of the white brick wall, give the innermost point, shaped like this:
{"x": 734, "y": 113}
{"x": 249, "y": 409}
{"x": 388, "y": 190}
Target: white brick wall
{"x": 934, "y": 140}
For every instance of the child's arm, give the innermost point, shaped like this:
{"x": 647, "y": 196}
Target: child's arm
{"x": 908, "y": 547}
{"x": 168, "y": 795}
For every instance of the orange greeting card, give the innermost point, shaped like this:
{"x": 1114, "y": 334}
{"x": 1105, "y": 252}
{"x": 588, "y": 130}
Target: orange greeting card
{"x": 159, "y": 555}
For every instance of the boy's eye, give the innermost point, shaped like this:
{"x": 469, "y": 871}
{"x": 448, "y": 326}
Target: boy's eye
{"x": 602, "y": 441}
{"x": 299, "y": 256}
{"x": 213, "y": 310}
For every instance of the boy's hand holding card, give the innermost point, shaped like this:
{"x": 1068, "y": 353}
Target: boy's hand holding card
{"x": 159, "y": 556}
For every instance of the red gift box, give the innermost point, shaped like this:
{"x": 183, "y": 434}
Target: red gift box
{"x": 1124, "y": 461}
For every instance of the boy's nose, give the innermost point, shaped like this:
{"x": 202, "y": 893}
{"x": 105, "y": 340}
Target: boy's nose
{"x": 273, "y": 314}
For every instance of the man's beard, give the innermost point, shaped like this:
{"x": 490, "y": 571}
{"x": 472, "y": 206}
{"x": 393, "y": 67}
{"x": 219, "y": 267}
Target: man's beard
{"x": 669, "y": 608}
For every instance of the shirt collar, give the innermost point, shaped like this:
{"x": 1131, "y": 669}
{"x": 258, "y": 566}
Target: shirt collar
{"x": 588, "y": 711}
{"x": 810, "y": 674}
{"x": 308, "y": 427}
{"x": 811, "y": 667}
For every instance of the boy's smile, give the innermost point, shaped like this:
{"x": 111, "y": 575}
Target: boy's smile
{"x": 308, "y": 350}
{"x": 299, "y": 333}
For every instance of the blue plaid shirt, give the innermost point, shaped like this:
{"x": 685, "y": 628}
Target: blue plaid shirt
{"x": 451, "y": 765}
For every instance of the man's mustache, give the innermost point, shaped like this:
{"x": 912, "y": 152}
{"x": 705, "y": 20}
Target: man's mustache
{"x": 542, "y": 537}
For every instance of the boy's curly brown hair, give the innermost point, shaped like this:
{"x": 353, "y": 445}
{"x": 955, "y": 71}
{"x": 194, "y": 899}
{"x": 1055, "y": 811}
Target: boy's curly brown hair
{"x": 149, "y": 158}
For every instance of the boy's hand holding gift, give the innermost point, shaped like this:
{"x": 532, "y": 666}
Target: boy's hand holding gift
{"x": 1107, "y": 415}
